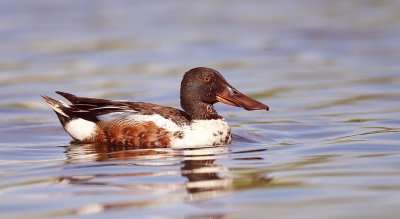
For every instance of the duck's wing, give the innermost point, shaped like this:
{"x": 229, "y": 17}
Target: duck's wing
{"x": 94, "y": 109}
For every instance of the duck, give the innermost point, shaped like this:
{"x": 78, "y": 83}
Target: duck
{"x": 119, "y": 122}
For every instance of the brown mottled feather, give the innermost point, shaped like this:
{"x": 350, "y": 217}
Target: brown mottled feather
{"x": 130, "y": 133}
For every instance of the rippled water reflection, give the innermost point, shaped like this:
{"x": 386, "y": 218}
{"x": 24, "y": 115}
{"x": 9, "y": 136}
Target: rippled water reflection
{"x": 328, "y": 148}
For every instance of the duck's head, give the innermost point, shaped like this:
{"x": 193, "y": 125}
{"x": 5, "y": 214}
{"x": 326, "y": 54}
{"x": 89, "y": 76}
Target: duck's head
{"x": 206, "y": 86}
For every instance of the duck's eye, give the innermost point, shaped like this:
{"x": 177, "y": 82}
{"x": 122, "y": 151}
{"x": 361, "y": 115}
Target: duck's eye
{"x": 207, "y": 79}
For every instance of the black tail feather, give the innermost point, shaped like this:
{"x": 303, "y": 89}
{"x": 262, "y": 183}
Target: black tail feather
{"x": 80, "y": 107}
{"x": 70, "y": 97}
{"x": 60, "y": 109}
{"x": 84, "y": 100}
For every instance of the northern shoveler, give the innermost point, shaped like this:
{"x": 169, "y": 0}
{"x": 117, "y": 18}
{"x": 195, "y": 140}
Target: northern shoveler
{"x": 92, "y": 120}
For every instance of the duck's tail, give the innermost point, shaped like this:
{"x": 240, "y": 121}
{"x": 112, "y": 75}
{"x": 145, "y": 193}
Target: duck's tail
{"x": 60, "y": 108}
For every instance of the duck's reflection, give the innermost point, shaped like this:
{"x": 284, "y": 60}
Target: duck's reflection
{"x": 203, "y": 178}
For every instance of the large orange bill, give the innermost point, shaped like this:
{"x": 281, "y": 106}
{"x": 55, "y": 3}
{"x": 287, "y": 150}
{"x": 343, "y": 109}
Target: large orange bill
{"x": 233, "y": 97}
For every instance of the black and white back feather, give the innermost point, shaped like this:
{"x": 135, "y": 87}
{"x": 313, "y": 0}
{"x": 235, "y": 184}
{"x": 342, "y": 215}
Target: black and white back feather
{"x": 91, "y": 108}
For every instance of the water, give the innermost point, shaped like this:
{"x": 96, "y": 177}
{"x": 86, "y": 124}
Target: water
{"x": 328, "y": 148}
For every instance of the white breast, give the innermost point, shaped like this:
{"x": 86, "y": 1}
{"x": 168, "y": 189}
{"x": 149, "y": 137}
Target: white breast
{"x": 204, "y": 132}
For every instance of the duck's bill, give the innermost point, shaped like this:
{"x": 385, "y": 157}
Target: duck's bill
{"x": 233, "y": 97}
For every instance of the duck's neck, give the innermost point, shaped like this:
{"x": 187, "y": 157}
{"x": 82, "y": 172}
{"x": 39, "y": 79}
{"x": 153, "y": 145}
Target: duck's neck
{"x": 200, "y": 110}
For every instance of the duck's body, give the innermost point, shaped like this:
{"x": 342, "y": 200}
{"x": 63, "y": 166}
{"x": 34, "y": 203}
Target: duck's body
{"x": 91, "y": 120}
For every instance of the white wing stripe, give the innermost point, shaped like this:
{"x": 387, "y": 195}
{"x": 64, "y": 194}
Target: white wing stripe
{"x": 129, "y": 116}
